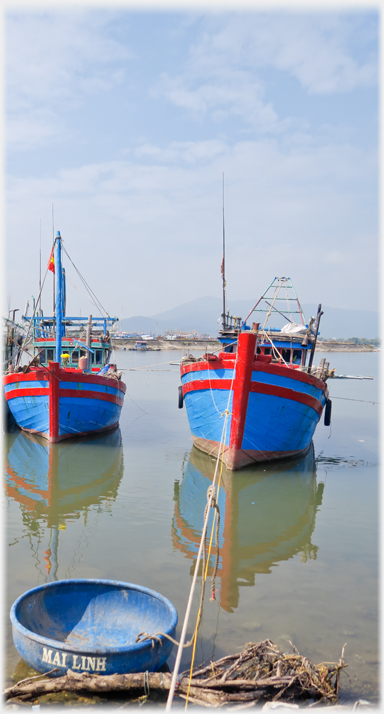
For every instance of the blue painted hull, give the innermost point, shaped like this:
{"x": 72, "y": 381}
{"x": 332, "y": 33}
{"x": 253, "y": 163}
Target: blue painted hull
{"x": 273, "y": 410}
{"x": 80, "y": 404}
{"x": 91, "y": 626}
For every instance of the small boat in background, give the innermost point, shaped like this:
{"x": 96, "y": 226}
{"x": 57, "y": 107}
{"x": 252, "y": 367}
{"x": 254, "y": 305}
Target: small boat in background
{"x": 263, "y": 381}
{"x": 76, "y": 393}
{"x": 140, "y": 346}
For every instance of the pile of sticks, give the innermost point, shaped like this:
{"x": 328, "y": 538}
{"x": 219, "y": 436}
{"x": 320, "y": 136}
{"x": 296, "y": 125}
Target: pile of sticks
{"x": 259, "y": 673}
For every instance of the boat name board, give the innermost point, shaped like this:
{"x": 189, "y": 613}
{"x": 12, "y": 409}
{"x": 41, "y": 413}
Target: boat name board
{"x": 85, "y": 663}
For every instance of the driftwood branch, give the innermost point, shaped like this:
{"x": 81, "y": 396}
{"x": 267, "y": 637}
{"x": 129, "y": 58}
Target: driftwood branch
{"x": 260, "y": 672}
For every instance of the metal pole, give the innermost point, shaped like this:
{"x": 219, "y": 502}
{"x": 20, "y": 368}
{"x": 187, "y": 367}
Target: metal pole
{"x": 58, "y": 297}
{"x": 223, "y": 263}
{"x": 319, "y": 314}
{"x": 88, "y": 341}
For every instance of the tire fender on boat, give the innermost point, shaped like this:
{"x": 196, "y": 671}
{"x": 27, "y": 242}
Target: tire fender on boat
{"x": 327, "y": 413}
{"x": 181, "y": 397}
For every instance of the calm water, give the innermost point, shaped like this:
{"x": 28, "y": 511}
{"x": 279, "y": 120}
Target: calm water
{"x": 298, "y": 540}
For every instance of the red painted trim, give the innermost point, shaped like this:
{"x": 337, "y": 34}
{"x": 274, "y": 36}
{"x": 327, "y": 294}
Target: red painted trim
{"x": 29, "y": 377}
{"x": 203, "y": 366}
{"x": 291, "y": 373}
{"x": 288, "y": 394}
{"x": 63, "y": 437}
{"x": 241, "y": 386}
{"x": 283, "y": 392}
{"x": 70, "y": 375}
{"x": 269, "y": 368}
{"x": 238, "y": 459}
{"x": 32, "y": 392}
{"x": 201, "y": 384}
{"x": 73, "y": 376}
{"x": 54, "y": 388}
{"x": 79, "y": 394}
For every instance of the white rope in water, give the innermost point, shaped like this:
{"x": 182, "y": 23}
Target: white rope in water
{"x": 191, "y": 593}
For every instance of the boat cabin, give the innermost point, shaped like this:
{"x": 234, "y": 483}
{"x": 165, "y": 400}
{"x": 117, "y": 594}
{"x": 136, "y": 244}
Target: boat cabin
{"x": 73, "y": 341}
{"x": 293, "y": 354}
{"x": 45, "y": 349}
{"x": 140, "y": 345}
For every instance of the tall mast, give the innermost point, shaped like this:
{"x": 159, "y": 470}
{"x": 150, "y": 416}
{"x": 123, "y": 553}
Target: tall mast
{"x": 53, "y": 274}
{"x": 223, "y": 262}
{"x": 39, "y": 301}
{"x": 59, "y": 298}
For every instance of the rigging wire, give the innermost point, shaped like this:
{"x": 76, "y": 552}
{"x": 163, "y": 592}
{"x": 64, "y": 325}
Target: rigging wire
{"x": 31, "y": 321}
{"x": 97, "y": 302}
{"x": 81, "y": 292}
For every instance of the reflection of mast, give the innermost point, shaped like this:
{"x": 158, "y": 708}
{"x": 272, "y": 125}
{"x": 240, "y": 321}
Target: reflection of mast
{"x": 51, "y": 553}
{"x": 267, "y": 516}
{"x": 229, "y": 596}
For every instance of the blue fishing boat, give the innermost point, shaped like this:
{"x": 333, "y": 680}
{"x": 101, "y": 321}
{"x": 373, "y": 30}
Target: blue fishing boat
{"x": 63, "y": 395}
{"x": 263, "y": 381}
{"x": 95, "y": 626}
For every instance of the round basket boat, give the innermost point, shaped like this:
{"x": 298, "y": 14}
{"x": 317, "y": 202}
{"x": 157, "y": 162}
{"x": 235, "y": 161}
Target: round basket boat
{"x": 92, "y": 626}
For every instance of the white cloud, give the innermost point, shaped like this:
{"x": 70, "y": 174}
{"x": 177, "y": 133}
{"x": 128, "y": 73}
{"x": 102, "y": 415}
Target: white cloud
{"x": 314, "y": 49}
{"x": 34, "y": 128}
{"x": 182, "y": 152}
{"x": 226, "y": 93}
{"x": 223, "y": 74}
{"x": 291, "y": 212}
{"x": 53, "y": 61}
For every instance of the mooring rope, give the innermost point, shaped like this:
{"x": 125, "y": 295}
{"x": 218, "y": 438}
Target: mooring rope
{"x": 202, "y": 540}
{"x": 205, "y": 570}
{"x": 349, "y": 399}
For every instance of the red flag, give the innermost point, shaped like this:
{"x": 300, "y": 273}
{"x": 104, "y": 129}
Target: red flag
{"x": 222, "y": 268}
{"x": 51, "y": 262}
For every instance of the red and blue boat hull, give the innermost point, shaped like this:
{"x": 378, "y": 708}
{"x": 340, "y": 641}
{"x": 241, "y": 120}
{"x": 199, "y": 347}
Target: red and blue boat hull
{"x": 60, "y": 403}
{"x": 273, "y": 409}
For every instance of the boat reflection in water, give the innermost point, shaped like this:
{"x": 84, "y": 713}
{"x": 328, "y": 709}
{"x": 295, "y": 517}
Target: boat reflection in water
{"x": 267, "y": 515}
{"x": 55, "y": 483}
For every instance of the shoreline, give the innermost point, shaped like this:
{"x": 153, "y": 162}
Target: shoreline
{"x": 214, "y": 345}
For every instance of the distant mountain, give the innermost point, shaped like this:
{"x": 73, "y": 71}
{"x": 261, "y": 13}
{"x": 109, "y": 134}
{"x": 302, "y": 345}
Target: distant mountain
{"x": 203, "y": 314}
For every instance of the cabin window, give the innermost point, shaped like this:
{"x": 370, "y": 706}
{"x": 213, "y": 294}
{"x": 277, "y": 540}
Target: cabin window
{"x": 99, "y": 356}
{"x": 267, "y": 351}
{"x": 75, "y": 357}
{"x": 50, "y": 352}
{"x": 296, "y": 357}
{"x": 286, "y": 355}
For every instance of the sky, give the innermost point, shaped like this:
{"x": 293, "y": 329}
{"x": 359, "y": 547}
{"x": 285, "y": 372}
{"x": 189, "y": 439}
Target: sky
{"x": 122, "y": 126}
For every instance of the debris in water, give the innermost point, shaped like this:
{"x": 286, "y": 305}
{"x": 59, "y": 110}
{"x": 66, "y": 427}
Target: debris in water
{"x": 260, "y": 673}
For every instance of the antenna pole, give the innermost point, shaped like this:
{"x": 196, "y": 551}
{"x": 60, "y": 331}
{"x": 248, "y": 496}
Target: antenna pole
{"x": 223, "y": 262}
{"x": 53, "y": 274}
{"x": 39, "y": 305}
